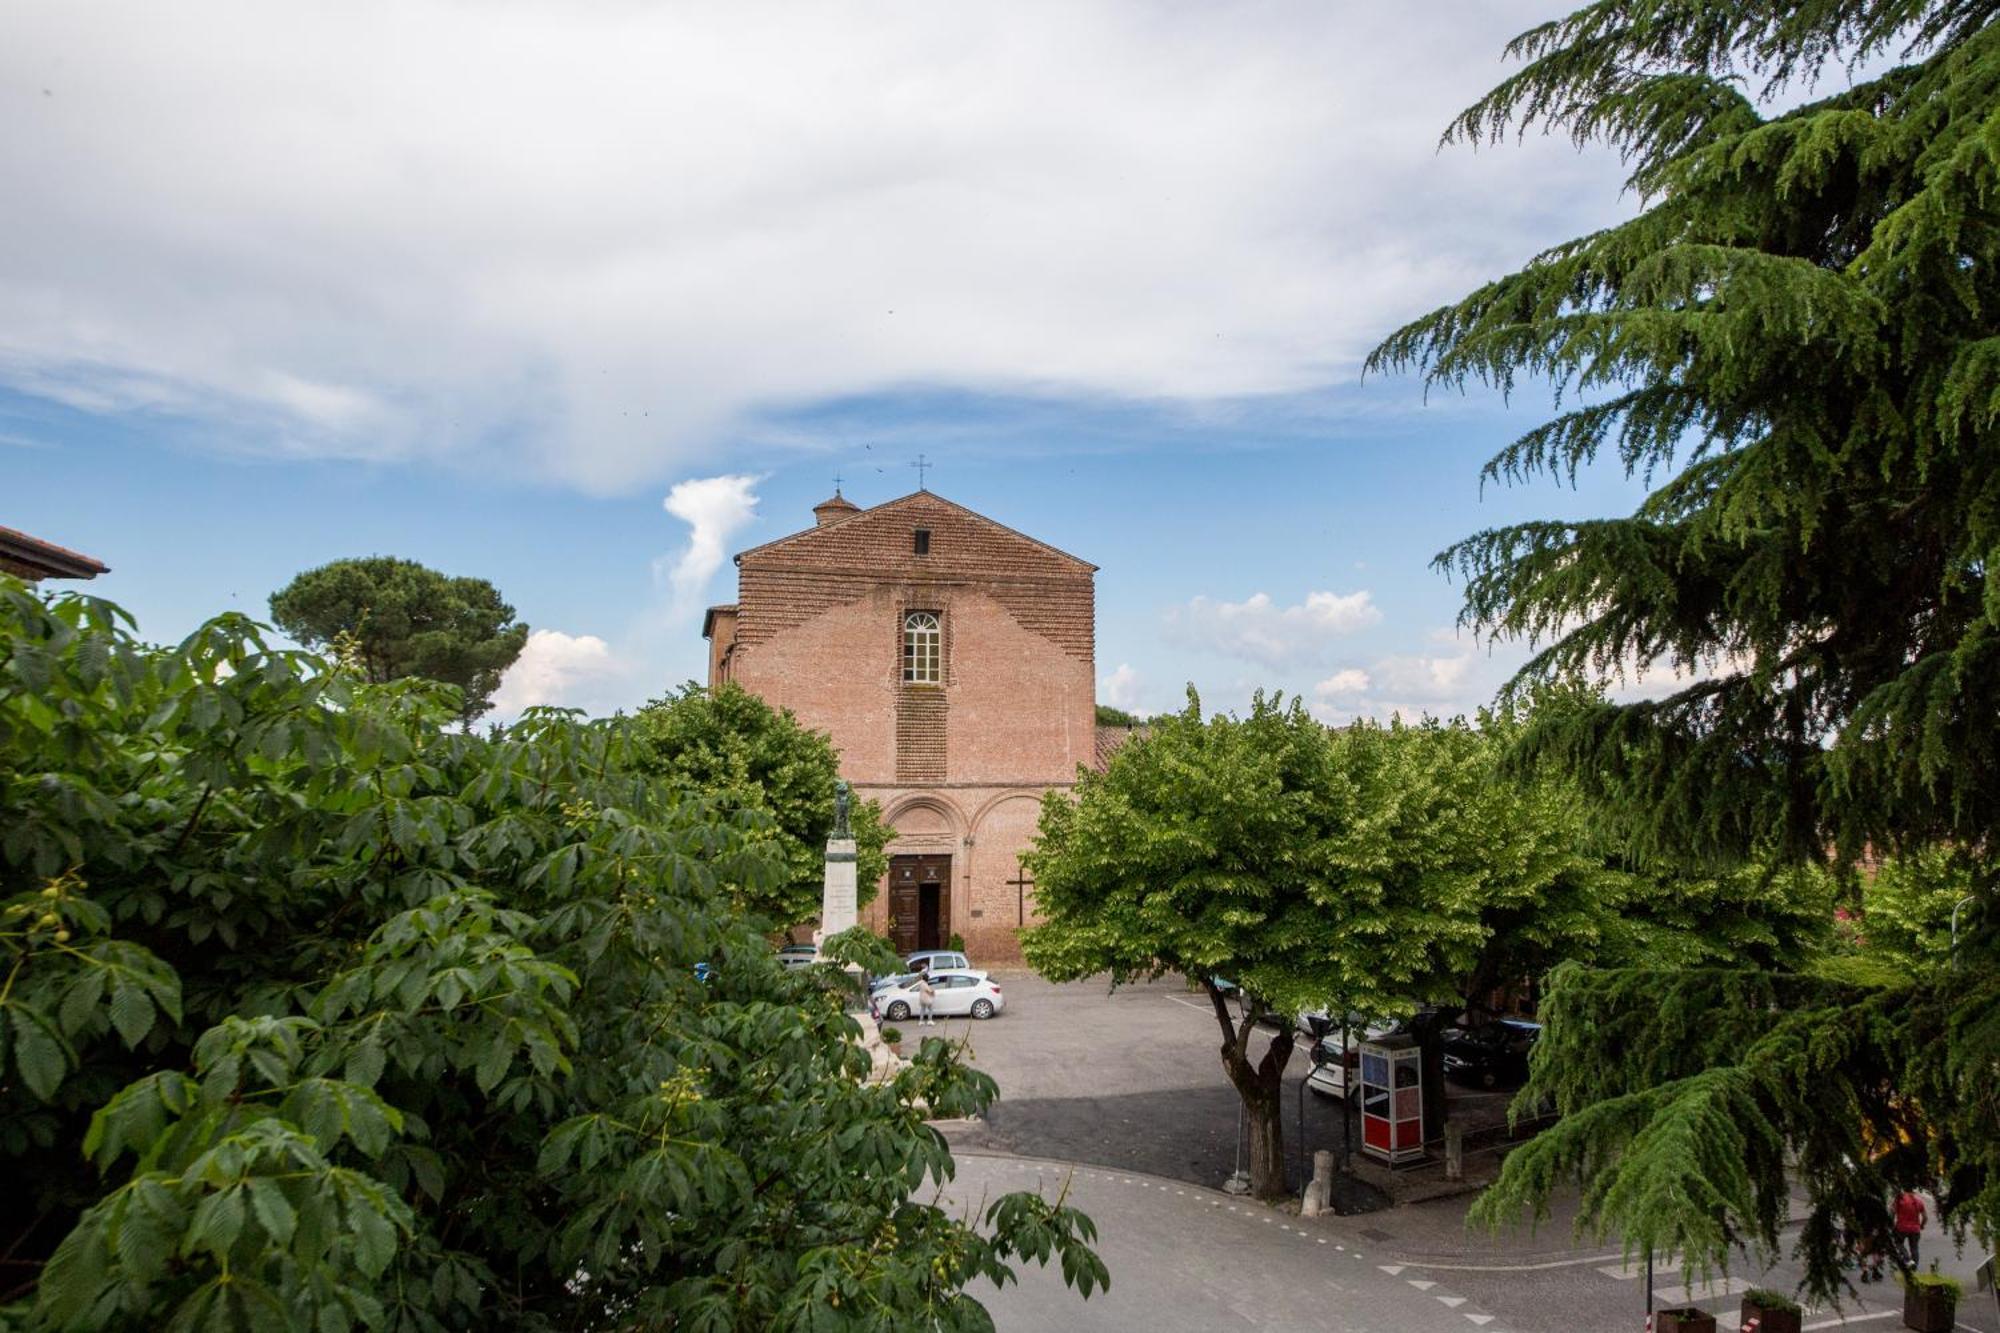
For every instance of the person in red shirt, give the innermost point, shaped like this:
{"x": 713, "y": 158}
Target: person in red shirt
{"x": 1910, "y": 1219}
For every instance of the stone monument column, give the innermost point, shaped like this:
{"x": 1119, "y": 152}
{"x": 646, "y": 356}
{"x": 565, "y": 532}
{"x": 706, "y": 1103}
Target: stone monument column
{"x": 839, "y": 903}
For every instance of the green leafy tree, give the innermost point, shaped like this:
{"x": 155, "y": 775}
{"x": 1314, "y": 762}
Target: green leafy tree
{"x": 1794, "y": 340}
{"x": 1369, "y": 868}
{"x": 1907, "y": 904}
{"x": 1107, "y": 716}
{"x": 730, "y": 745}
{"x": 396, "y": 618}
{"x": 317, "y": 1013}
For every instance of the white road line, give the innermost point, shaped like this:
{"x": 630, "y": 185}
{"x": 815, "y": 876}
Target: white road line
{"x": 1451, "y": 1302}
{"x": 1845, "y": 1320}
{"x": 1707, "y": 1291}
{"x": 1512, "y": 1268}
{"x": 1204, "y": 1008}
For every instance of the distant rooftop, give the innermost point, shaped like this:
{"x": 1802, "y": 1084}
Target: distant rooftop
{"x": 32, "y": 558}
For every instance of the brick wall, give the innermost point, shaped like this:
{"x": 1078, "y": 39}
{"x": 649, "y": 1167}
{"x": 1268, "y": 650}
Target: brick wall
{"x": 958, "y": 766}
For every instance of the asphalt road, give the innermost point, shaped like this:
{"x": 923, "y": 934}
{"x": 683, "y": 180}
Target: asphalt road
{"x": 1129, "y": 1084}
{"x": 1189, "y": 1260}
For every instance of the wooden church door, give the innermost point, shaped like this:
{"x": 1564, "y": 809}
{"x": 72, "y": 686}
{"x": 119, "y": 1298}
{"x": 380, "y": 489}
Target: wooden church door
{"x": 919, "y": 902}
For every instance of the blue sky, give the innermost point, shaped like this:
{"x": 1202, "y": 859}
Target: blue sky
{"x": 485, "y": 287}
{"x": 1171, "y": 509}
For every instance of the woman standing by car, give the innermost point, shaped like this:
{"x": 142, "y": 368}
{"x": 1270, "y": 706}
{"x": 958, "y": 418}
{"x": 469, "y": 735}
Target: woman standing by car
{"x": 926, "y": 997}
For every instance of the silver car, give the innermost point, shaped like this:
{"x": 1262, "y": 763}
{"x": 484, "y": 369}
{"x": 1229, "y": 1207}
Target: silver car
{"x": 1331, "y": 1064}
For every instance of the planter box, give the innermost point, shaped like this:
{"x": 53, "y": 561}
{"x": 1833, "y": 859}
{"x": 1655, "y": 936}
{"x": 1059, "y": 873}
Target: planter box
{"x": 1685, "y": 1320}
{"x": 1772, "y": 1321}
{"x": 1929, "y": 1309}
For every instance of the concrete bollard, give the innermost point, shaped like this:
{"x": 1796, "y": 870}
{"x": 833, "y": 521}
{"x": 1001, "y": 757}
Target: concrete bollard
{"x": 1319, "y": 1194}
{"x": 1454, "y": 1150}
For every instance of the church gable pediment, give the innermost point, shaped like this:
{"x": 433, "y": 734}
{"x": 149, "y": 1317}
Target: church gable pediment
{"x": 883, "y": 542}
{"x": 920, "y": 541}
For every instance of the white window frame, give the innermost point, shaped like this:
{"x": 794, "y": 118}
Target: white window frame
{"x": 923, "y": 648}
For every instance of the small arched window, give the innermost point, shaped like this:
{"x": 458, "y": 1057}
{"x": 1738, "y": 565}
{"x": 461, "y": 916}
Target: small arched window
{"x": 922, "y": 642}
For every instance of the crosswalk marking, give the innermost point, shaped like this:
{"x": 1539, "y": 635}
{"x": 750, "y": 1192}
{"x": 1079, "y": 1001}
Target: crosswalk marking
{"x": 1662, "y": 1267}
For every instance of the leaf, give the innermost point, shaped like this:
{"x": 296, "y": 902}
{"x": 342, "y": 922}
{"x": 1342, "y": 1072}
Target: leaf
{"x": 218, "y": 1221}
{"x": 493, "y": 1061}
{"x": 131, "y": 1011}
{"x": 79, "y": 1005}
{"x": 364, "y": 1062}
{"x": 374, "y": 1234}
{"x": 39, "y": 1052}
{"x": 273, "y": 1211}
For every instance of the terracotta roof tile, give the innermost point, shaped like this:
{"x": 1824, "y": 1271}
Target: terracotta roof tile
{"x": 1110, "y": 740}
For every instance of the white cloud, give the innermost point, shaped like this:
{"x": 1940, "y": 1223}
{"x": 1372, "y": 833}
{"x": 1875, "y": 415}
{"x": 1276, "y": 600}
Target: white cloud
{"x": 559, "y": 670}
{"x": 1120, "y": 689}
{"x": 1424, "y": 677}
{"x": 1259, "y": 630}
{"x": 714, "y": 508}
{"x": 1351, "y": 681}
{"x": 586, "y": 241}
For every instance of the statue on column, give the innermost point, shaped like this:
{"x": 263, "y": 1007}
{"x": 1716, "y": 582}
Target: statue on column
{"x": 840, "y": 799}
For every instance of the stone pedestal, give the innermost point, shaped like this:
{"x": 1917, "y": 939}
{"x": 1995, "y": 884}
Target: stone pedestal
{"x": 839, "y": 903}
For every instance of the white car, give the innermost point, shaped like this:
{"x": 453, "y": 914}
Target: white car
{"x": 794, "y": 957}
{"x": 959, "y": 994}
{"x": 1329, "y": 1073}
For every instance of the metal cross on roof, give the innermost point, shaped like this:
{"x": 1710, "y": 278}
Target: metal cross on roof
{"x": 922, "y": 466}
{"x": 836, "y": 483}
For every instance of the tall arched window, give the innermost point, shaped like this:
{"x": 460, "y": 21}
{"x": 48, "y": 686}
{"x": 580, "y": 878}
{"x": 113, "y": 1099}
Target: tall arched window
{"x": 922, "y": 643}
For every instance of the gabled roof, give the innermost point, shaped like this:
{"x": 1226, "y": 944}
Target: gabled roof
{"x": 33, "y": 558}
{"x": 914, "y": 500}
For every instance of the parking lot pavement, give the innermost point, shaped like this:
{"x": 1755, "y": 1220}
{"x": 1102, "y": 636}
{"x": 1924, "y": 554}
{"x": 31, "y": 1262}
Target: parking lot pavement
{"x": 1127, "y": 1078}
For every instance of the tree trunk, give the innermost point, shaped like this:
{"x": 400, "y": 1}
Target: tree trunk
{"x": 1260, "y": 1085}
{"x": 1264, "y": 1112}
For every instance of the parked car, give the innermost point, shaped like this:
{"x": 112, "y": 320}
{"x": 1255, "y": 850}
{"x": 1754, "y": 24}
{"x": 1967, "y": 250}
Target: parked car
{"x": 793, "y": 957}
{"x": 958, "y": 993}
{"x": 929, "y": 959}
{"x": 1332, "y": 1064}
{"x": 1493, "y": 1055}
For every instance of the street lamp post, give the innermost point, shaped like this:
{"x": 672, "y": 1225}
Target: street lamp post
{"x": 1346, "y": 1096}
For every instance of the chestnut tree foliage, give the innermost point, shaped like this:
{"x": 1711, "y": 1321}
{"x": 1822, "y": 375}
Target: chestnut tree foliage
{"x": 1795, "y": 343}
{"x": 318, "y": 1013}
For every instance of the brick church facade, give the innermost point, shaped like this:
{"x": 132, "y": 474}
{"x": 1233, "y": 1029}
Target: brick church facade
{"x": 951, "y": 660}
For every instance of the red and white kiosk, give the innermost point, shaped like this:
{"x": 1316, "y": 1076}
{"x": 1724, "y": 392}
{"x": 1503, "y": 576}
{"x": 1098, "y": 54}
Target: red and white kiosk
{"x": 1392, "y": 1099}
